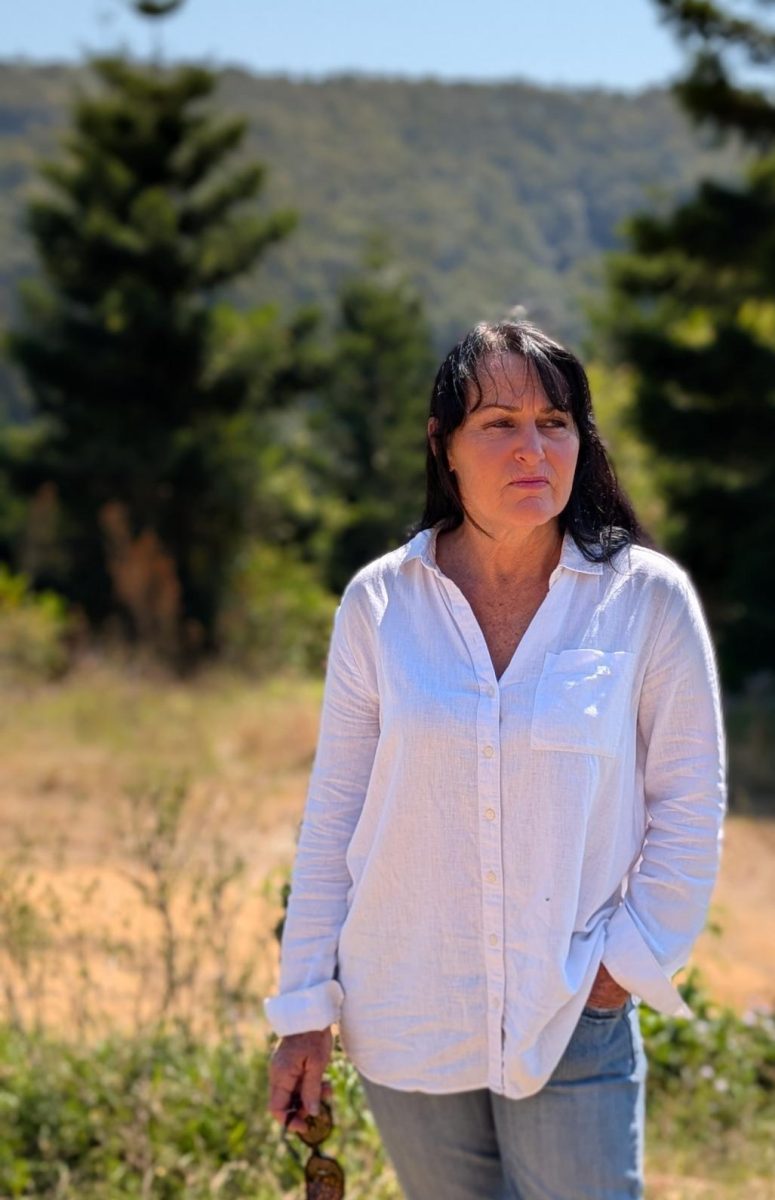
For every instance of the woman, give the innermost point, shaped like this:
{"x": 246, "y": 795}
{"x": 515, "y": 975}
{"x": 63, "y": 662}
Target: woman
{"x": 514, "y": 818}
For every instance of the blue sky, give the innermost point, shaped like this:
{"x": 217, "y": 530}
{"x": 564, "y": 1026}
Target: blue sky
{"x": 608, "y": 43}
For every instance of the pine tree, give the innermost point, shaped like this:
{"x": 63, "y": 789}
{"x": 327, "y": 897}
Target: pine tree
{"x": 723, "y": 41}
{"x": 692, "y": 308}
{"x": 371, "y": 427}
{"x": 156, "y": 8}
{"x": 144, "y": 388}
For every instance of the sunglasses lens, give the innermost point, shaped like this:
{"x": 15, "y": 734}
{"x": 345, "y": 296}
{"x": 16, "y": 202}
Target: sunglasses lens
{"x": 325, "y": 1179}
{"x": 319, "y": 1127}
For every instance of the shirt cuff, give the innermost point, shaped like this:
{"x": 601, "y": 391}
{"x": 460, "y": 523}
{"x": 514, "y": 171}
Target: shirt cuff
{"x": 305, "y": 1010}
{"x": 631, "y": 962}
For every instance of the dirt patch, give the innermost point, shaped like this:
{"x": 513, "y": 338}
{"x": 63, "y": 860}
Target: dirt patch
{"x": 738, "y": 962}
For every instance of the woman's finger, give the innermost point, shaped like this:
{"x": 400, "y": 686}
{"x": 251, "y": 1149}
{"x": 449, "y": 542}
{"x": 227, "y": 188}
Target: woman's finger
{"x": 279, "y": 1101}
{"x": 284, "y": 1077}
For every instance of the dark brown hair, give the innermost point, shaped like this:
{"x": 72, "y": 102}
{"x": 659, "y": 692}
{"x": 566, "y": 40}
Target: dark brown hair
{"x": 598, "y": 514}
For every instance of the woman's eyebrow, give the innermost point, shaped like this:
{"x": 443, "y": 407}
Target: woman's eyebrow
{"x": 511, "y": 408}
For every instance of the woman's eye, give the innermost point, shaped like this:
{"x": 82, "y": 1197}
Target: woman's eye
{"x": 507, "y": 422}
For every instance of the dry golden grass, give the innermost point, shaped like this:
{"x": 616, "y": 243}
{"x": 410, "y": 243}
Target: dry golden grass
{"x": 739, "y": 962}
{"x": 686, "y": 1187}
{"x": 75, "y": 753}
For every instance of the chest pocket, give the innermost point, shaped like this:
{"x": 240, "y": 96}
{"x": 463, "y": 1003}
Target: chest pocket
{"x": 583, "y": 701}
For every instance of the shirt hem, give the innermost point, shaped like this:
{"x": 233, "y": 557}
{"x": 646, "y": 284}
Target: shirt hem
{"x": 451, "y": 1091}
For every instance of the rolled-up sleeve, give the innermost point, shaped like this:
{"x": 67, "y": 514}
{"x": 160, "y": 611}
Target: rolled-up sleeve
{"x": 664, "y": 908}
{"x": 309, "y": 993}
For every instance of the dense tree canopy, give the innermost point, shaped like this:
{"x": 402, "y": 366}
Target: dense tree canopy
{"x": 693, "y": 311}
{"x": 493, "y": 195}
{"x": 369, "y": 429}
{"x": 130, "y": 368}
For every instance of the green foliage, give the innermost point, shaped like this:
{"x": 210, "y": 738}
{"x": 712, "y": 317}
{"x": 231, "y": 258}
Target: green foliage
{"x": 17, "y": 443}
{"x": 141, "y": 221}
{"x": 370, "y": 426}
{"x": 493, "y": 194}
{"x": 156, "y": 8}
{"x": 613, "y": 390}
{"x": 723, "y": 35}
{"x": 163, "y": 1116}
{"x": 750, "y": 724}
{"x": 34, "y": 630}
{"x": 276, "y": 614}
{"x": 711, "y": 1076}
{"x": 691, "y": 313}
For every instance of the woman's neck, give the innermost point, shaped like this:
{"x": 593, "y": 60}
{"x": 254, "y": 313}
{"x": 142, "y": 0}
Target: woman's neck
{"x": 520, "y": 556}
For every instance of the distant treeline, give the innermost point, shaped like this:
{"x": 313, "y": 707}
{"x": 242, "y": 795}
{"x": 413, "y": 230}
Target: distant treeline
{"x": 492, "y": 196}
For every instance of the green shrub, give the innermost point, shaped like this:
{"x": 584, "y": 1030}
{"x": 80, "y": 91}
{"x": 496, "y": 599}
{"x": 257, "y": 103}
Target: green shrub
{"x": 750, "y": 719}
{"x": 277, "y": 614}
{"x": 164, "y": 1118}
{"x": 711, "y": 1079}
{"x": 34, "y": 628}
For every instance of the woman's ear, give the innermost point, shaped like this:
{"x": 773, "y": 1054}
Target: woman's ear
{"x": 433, "y": 438}
{"x": 433, "y": 425}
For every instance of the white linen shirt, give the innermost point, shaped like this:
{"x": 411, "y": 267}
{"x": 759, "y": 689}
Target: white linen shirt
{"x": 472, "y": 848}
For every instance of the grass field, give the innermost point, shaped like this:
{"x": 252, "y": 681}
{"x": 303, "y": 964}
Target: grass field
{"x": 103, "y": 908}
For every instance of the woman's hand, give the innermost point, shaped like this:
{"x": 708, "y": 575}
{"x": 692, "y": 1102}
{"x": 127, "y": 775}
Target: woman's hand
{"x": 297, "y": 1065}
{"x": 606, "y": 992}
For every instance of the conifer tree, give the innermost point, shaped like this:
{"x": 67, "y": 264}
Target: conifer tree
{"x": 692, "y": 308}
{"x": 144, "y": 389}
{"x": 375, "y": 407}
{"x": 156, "y": 8}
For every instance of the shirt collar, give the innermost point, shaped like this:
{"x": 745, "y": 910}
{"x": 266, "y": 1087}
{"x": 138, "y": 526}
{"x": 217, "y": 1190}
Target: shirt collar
{"x": 423, "y": 546}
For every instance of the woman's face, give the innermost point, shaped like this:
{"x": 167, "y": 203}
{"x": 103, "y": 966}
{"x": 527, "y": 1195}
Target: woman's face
{"x": 514, "y": 456}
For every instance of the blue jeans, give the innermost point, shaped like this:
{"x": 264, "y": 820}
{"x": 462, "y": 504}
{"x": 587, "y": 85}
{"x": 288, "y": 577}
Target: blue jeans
{"x": 579, "y": 1138}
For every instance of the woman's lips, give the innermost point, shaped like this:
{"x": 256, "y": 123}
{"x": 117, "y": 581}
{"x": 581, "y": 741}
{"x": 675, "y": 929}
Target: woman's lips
{"x": 530, "y": 483}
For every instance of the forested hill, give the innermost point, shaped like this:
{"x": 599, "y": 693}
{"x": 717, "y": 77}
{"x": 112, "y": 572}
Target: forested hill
{"x": 492, "y": 195}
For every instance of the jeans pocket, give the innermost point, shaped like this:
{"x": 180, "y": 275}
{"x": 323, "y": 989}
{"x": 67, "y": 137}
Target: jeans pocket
{"x": 600, "y": 1046}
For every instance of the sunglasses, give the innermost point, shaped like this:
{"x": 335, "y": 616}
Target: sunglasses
{"x": 323, "y": 1175}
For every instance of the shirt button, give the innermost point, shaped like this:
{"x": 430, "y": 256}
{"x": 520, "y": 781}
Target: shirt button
{"x": 494, "y": 1002}
{"x": 493, "y": 939}
{"x": 490, "y": 814}
{"x": 488, "y": 689}
{"x": 488, "y": 752}
{"x": 491, "y": 877}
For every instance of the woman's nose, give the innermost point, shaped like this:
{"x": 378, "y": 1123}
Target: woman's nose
{"x": 529, "y": 444}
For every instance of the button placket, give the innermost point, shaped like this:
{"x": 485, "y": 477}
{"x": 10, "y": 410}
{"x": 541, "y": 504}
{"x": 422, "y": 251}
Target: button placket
{"x": 491, "y": 853}
{"x": 489, "y": 804}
